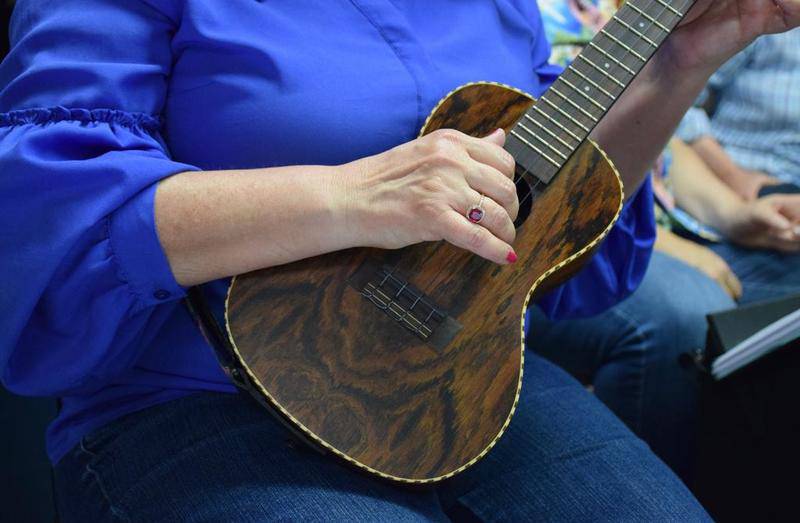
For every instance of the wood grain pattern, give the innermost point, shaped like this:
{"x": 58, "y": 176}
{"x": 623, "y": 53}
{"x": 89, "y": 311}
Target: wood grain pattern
{"x": 362, "y": 386}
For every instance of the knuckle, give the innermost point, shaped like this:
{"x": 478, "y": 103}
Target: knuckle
{"x": 444, "y": 139}
{"x": 432, "y": 185}
{"x": 509, "y": 159}
{"x": 447, "y": 135}
{"x": 442, "y": 158}
{"x": 508, "y": 192}
{"x": 509, "y": 233}
{"x": 509, "y": 164}
{"x": 514, "y": 213}
{"x": 428, "y": 208}
{"x": 504, "y": 224}
{"x": 498, "y": 217}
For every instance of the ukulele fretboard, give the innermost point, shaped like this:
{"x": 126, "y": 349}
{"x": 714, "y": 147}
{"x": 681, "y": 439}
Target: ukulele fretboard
{"x": 549, "y": 133}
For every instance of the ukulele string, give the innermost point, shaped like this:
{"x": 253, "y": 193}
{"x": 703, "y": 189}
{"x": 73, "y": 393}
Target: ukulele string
{"x": 536, "y": 185}
{"x": 639, "y": 18}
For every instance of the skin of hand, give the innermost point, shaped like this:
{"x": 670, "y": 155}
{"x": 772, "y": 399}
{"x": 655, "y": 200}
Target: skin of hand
{"x": 702, "y": 258}
{"x": 421, "y": 191}
{"x": 771, "y": 222}
{"x": 768, "y": 222}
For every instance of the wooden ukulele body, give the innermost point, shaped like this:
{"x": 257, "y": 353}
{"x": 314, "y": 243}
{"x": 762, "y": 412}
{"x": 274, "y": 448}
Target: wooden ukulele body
{"x": 353, "y": 378}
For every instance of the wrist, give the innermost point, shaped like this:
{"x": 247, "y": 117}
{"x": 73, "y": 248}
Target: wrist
{"x": 729, "y": 216}
{"x": 673, "y": 63}
{"x": 745, "y": 183}
{"x": 351, "y": 202}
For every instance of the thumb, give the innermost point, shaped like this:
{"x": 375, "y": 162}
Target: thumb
{"x": 498, "y": 137}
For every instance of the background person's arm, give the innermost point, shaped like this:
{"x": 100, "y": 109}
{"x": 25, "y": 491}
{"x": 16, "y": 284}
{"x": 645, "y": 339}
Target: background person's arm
{"x": 696, "y": 129}
{"x": 764, "y": 223}
{"x": 743, "y": 182}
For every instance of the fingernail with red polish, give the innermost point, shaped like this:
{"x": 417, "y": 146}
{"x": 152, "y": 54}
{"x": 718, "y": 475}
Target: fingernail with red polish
{"x": 512, "y": 257}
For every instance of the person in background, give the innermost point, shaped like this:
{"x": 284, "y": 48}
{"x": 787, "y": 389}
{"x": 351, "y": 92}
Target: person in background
{"x": 752, "y": 144}
{"x": 630, "y": 353}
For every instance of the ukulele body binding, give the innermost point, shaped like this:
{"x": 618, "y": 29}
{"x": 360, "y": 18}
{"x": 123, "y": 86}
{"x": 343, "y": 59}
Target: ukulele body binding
{"x": 408, "y": 363}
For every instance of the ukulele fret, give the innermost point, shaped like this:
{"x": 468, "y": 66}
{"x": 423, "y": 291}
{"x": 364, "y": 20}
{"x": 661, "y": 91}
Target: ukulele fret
{"x": 670, "y": 8}
{"x": 591, "y": 82}
{"x": 542, "y": 140}
{"x": 612, "y": 58}
{"x": 635, "y": 31}
{"x": 605, "y": 73}
{"x": 548, "y": 131}
{"x": 648, "y": 17}
{"x": 625, "y": 46}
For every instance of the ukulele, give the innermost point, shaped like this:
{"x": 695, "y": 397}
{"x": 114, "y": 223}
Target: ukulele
{"x": 408, "y": 363}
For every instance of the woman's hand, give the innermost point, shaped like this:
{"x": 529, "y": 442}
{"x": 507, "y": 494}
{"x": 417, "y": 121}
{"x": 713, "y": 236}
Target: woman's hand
{"x": 715, "y": 30}
{"x": 771, "y": 222}
{"x": 422, "y": 190}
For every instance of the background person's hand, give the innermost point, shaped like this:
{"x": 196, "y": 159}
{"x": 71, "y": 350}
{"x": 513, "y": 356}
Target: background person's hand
{"x": 701, "y": 258}
{"x": 770, "y": 222}
{"x": 422, "y": 190}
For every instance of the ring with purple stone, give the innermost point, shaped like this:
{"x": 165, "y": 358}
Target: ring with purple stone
{"x": 476, "y": 213}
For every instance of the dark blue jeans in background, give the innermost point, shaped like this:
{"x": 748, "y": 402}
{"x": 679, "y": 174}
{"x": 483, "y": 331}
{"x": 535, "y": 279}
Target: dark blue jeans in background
{"x": 217, "y": 457}
{"x": 765, "y": 275}
{"x": 631, "y": 352}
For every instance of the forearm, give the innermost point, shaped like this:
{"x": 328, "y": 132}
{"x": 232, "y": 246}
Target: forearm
{"x": 214, "y": 224}
{"x": 698, "y": 190}
{"x": 716, "y": 158}
{"x": 639, "y": 125}
{"x": 220, "y": 223}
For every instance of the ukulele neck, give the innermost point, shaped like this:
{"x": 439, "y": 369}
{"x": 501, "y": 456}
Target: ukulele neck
{"x": 552, "y": 130}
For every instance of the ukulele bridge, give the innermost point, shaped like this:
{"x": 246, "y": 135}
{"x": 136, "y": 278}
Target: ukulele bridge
{"x": 405, "y": 304}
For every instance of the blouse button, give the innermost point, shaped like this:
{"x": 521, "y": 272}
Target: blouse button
{"x": 161, "y": 294}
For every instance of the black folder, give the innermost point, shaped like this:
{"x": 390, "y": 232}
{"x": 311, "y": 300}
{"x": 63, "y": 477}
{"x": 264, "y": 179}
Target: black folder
{"x": 729, "y": 328}
{"x": 749, "y": 428}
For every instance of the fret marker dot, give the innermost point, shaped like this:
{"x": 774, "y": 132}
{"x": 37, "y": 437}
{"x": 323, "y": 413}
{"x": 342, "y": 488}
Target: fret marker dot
{"x": 641, "y": 24}
{"x": 586, "y": 88}
{"x": 607, "y": 65}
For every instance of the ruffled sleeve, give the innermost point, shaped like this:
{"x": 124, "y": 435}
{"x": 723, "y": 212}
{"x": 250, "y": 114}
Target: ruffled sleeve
{"x": 83, "y": 277}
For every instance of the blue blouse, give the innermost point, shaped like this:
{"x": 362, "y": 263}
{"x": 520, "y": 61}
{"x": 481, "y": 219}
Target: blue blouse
{"x": 102, "y": 99}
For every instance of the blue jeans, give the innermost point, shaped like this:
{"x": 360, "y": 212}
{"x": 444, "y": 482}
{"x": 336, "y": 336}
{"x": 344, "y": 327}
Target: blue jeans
{"x": 218, "y": 457}
{"x": 630, "y": 354}
{"x": 764, "y": 274}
